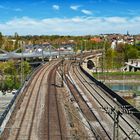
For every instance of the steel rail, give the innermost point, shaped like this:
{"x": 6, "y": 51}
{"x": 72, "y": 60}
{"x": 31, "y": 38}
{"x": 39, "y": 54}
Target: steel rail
{"x": 68, "y": 83}
{"x": 77, "y": 70}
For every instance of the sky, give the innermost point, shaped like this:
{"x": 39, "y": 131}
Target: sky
{"x": 69, "y": 17}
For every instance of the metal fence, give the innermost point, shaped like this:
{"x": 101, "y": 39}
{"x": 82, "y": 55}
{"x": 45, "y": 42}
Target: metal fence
{"x": 113, "y": 95}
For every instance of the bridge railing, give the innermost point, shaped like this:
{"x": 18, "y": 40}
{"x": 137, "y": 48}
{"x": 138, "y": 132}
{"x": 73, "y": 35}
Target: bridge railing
{"x": 11, "y": 106}
{"x": 111, "y": 94}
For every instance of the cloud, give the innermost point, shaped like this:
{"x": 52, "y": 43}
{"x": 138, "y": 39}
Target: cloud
{"x": 56, "y": 7}
{"x": 87, "y": 12}
{"x": 118, "y": 20}
{"x": 71, "y": 26}
{"x": 18, "y": 10}
{"x": 75, "y": 7}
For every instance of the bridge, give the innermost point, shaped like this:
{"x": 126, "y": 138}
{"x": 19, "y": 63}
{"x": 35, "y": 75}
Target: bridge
{"x": 132, "y": 65}
{"x": 61, "y": 100}
{"x": 36, "y": 51}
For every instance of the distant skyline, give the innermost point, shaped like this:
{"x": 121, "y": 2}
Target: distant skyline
{"x": 74, "y": 17}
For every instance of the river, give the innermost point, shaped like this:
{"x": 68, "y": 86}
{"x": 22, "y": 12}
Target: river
{"x": 125, "y": 87}
{"x": 128, "y": 88}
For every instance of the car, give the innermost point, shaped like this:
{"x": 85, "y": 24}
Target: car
{"x": 14, "y": 91}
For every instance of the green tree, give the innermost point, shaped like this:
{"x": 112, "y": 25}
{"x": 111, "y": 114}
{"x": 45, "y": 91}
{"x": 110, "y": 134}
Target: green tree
{"x": 27, "y": 68}
{"x": 1, "y": 40}
{"x": 10, "y": 72}
{"x": 109, "y": 56}
{"x": 132, "y": 53}
{"x": 8, "y": 83}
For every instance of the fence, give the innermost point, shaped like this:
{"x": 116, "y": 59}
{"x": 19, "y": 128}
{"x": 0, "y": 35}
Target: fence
{"x": 113, "y": 95}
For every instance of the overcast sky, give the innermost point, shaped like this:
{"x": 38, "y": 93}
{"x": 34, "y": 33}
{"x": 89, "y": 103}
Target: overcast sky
{"x": 69, "y": 17}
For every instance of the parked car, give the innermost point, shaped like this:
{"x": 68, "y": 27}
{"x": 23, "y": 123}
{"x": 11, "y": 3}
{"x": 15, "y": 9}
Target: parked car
{"x": 14, "y": 91}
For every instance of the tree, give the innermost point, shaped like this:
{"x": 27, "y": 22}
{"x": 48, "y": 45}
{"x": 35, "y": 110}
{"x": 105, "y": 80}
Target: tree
{"x": 1, "y": 40}
{"x": 10, "y": 74}
{"x": 132, "y": 53}
{"x": 27, "y": 68}
{"x": 109, "y": 58}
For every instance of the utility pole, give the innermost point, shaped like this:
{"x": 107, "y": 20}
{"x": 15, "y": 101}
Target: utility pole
{"x": 117, "y": 114}
{"x": 50, "y": 47}
{"x": 81, "y": 52}
{"x": 75, "y": 49}
{"x": 62, "y": 71}
{"x": 2, "y": 80}
{"x": 103, "y": 62}
{"x": 85, "y": 45}
{"x": 59, "y": 48}
{"x": 42, "y": 52}
{"x": 102, "y": 65}
{"x": 22, "y": 64}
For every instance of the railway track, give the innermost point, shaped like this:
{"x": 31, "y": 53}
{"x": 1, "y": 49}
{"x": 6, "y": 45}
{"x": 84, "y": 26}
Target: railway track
{"x": 98, "y": 131}
{"x": 28, "y": 117}
{"x": 39, "y": 116}
{"x": 104, "y": 102}
{"x": 52, "y": 122}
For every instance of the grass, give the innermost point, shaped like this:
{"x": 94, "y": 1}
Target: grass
{"x": 137, "y": 92}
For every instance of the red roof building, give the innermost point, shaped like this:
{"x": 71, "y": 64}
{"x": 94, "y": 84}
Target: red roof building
{"x": 96, "y": 39}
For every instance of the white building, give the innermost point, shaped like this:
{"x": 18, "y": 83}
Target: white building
{"x": 113, "y": 44}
